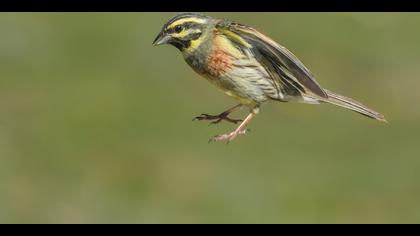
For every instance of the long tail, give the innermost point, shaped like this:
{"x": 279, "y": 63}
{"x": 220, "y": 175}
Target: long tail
{"x": 353, "y": 105}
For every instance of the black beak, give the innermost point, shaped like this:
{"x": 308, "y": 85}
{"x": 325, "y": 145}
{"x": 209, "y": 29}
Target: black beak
{"x": 162, "y": 38}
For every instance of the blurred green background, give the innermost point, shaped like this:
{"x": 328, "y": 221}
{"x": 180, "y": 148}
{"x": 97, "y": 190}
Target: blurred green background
{"x": 95, "y": 125}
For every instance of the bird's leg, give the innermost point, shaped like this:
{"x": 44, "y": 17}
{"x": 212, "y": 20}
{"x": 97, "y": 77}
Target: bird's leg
{"x": 240, "y": 130}
{"x": 222, "y": 116}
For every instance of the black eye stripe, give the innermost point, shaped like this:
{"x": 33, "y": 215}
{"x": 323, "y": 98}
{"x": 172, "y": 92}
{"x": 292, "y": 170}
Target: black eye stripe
{"x": 186, "y": 25}
{"x": 178, "y": 28}
{"x": 195, "y": 36}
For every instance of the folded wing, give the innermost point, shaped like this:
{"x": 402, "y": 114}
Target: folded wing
{"x": 280, "y": 63}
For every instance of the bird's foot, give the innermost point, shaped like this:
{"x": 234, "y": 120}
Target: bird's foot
{"x": 217, "y": 118}
{"x": 230, "y": 136}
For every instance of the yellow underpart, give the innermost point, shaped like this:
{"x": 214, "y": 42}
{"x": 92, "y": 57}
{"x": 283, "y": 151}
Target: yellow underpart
{"x": 184, "y": 20}
{"x": 222, "y": 42}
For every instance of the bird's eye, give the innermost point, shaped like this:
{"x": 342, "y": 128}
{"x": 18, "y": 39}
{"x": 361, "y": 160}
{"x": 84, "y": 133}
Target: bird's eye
{"x": 178, "y": 29}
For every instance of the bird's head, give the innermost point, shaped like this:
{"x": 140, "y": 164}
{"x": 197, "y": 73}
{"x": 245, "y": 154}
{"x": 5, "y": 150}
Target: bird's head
{"x": 185, "y": 31}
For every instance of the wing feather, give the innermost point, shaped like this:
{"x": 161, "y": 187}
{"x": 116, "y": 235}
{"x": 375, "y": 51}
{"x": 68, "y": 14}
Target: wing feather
{"x": 279, "y": 62}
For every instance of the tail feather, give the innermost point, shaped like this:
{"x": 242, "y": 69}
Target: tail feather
{"x": 353, "y": 105}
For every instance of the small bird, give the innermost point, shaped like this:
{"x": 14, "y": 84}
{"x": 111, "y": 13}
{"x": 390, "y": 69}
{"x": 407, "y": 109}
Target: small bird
{"x": 248, "y": 66}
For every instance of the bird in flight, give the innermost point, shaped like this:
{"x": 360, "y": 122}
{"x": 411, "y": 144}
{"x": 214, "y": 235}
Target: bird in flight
{"x": 248, "y": 66}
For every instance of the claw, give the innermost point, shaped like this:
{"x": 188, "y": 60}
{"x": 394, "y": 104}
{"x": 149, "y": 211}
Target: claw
{"x": 235, "y": 121}
{"x": 215, "y": 122}
{"x": 216, "y": 118}
{"x": 204, "y": 117}
{"x": 228, "y": 137}
{"x": 238, "y": 131}
{"x": 211, "y": 140}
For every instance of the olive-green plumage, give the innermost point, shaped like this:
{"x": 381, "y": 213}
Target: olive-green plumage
{"x": 247, "y": 65}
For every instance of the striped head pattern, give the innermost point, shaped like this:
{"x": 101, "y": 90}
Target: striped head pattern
{"x": 183, "y": 30}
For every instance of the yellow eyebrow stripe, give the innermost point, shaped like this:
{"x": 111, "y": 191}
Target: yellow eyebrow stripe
{"x": 190, "y": 19}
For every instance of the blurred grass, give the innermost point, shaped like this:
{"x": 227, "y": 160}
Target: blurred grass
{"x": 95, "y": 125}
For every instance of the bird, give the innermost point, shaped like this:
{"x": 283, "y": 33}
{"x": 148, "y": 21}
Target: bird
{"x": 247, "y": 65}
